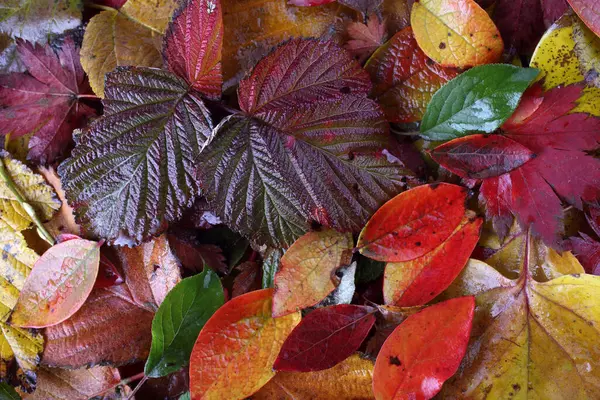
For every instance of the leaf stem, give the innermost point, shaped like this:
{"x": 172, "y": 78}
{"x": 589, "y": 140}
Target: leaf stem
{"x": 137, "y": 387}
{"x": 44, "y": 234}
{"x": 123, "y": 382}
{"x": 88, "y": 96}
{"x": 99, "y": 7}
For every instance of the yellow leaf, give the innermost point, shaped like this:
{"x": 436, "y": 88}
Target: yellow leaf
{"x": 111, "y": 39}
{"x": 349, "y": 380}
{"x": 456, "y": 33}
{"x": 153, "y": 14}
{"x": 569, "y": 53}
{"x": 18, "y": 147}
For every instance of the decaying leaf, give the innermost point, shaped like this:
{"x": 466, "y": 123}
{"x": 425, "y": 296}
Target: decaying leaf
{"x": 79, "y": 384}
{"x": 364, "y": 39}
{"x": 154, "y": 14}
{"x": 63, "y": 221}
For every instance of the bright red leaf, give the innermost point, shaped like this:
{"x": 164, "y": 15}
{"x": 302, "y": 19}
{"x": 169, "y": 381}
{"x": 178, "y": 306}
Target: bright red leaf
{"x": 413, "y": 223}
{"x": 424, "y": 351}
{"x": 325, "y": 337}
{"x": 47, "y": 100}
{"x": 589, "y": 12}
{"x": 108, "y": 275}
{"x": 481, "y": 156}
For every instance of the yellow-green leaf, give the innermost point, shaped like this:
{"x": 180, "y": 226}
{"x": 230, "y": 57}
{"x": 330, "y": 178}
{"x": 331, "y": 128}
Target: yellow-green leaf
{"x": 153, "y": 14}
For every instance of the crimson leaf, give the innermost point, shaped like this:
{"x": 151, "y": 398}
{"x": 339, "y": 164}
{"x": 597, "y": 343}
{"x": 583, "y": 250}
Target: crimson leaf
{"x": 307, "y": 147}
{"x": 133, "y": 170}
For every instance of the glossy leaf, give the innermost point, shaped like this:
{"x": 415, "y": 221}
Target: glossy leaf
{"x": 404, "y": 78}
{"x": 413, "y": 223}
{"x": 45, "y": 101}
{"x": 456, "y": 33}
{"x": 234, "y": 354}
{"x": 303, "y": 151}
{"x": 481, "y": 156}
{"x": 416, "y": 282}
{"x": 479, "y": 100}
{"x": 60, "y": 282}
{"x": 179, "y": 320}
{"x": 7, "y": 392}
{"x": 349, "y": 380}
{"x": 112, "y": 39}
{"x": 325, "y": 337}
{"x": 79, "y": 384}
{"x": 589, "y": 12}
{"x": 424, "y": 351}
{"x": 307, "y": 271}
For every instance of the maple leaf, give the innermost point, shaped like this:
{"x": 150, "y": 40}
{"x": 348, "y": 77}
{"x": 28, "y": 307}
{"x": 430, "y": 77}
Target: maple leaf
{"x": 307, "y": 147}
{"x": 47, "y": 101}
{"x": 133, "y": 170}
{"x": 364, "y": 39}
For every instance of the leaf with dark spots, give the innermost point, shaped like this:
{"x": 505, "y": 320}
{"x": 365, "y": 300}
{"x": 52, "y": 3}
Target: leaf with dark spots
{"x": 325, "y": 337}
{"x": 481, "y": 156}
{"x": 302, "y": 152}
{"x": 47, "y": 100}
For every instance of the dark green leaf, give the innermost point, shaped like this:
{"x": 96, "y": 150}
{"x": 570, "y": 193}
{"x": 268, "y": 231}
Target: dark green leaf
{"x": 368, "y": 270}
{"x": 270, "y": 266}
{"x": 7, "y": 392}
{"x": 479, "y": 100}
{"x": 179, "y": 320}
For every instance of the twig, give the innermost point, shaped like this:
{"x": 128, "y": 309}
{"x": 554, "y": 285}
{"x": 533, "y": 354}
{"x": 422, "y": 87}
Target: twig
{"x": 137, "y": 387}
{"x": 88, "y": 96}
{"x": 123, "y": 382}
{"x": 44, "y": 234}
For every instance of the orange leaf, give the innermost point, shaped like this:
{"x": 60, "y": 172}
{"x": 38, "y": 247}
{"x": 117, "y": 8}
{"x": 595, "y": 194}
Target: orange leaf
{"x": 60, "y": 282}
{"x": 307, "y": 272}
{"x": 456, "y": 33}
{"x": 235, "y": 351}
{"x": 416, "y": 282}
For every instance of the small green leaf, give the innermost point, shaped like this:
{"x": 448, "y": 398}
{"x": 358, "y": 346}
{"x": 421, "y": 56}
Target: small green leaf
{"x": 7, "y": 392}
{"x": 479, "y": 100}
{"x": 185, "y": 396}
{"x": 368, "y": 270}
{"x": 270, "y": 266}
{"x": 179, "y": 320}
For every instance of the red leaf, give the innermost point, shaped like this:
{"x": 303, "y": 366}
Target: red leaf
{"x": 193, "y": 46}
{"x": 309, "y": 3}
{"x": 45, "y": 101}
{"x": 108, "y": 275}
{"x": 589, "y": 12}
{"x": 562, "y": 171}
{"x": 481, "y": 156}
{"x": 587, "y": 251}
{"x": 195, "y": 256}
{"x": 325, "y": 337}
{"x": 364, "y": 39}
{"x": 424, "y": 351}
{"x": 404, "y": 78}
{"x": 247, "y": 280}
{"x": 593, "y": 218}
{"x": 413, "y": 223}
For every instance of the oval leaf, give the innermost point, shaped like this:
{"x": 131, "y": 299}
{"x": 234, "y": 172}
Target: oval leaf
{"x": 60, "y": 282}
{"x": 416, "y": 282}
{"x": 589, "y": 12}
{"x": 179, "y": 320}
{"x": 234, "y": 354}
{"x": 325, "y": 337}
{"x": 456, "y": 33}
{"x": 424, "y": 351}
{"x": 481, "y": 156}
{"x": 413, "y": 223}
{"x": 306, "y": 274}
{"x": 479, "y": 100}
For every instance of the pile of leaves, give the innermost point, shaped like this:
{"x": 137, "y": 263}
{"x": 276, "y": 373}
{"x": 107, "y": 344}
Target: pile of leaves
{"x": 312, "y": 199}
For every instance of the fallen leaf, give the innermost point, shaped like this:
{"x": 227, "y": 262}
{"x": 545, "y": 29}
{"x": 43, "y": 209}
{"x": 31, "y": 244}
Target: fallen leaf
{"x": 368, "y": 270}
{"x": 195, "y": 256}
{"x": 309, "y": 3}
{"x": 58, "y": 285}
{"x": 7, "y": 392}
{"x": 418, "y": 281}
{"x": 456, "y": 33}
{"x": 154, "y": 14}
{"x": 349, "y": 380}
{"x": 179, "y": 320}
{"x": 236, "y": 349}
{"x": 424, "y": 216}
{"x": 270, "y": 266}
{"x": 79, "y": 384}
{"x": 112, "y": 39}
{"x": 587, "y": 250}
{"x": 479, "y": 100}
{"x": 286, "y": 128}
{"x": 424, "y": 351}
{"x": 307, "y": 271}
{"x": 364, "y": 39}
{"x": 63, "y": 221}
{"x": 9, "y": 59}
{"x": 47, "y": 100}
{"x": 248, "y": 278}
{"x": 325, "y": 337}
{"x": 397, "y": 14}
{"x": 108, "y": 275}
{"x": 589, "y": 12}
{"x": 404, "y": 78}
{"x": 36, "y": 20}
{"x": 365, "y": 7}
{"x": 387, "y": 320}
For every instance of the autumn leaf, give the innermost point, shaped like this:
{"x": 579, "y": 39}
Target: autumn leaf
{"x": 589, "y": 12}
{"x": 170, "y": 125}
{"x": 307, "y": 271}
{"x": 587, "y": 250}
{"x": 270, "y": 266}
{"x": 236, "y": 349}
{"x": 79, "y": 384}
{"x": 404, "y": 78}
{"x": 7, "y": 392}
{"x": 63, "y": 221}
{"x": 195, "y": 256}
{"x": 9, "y": 59}
{"x": 59, "y": 283}
{"x": 325, "y": 337}
{"x": 268, "y": 153}
{"x": 479, "y": 100}
{"x": 424, "y": 351}
{"x": 36, "y": 20}
{"x": 349, "y": 380}
{"x": 413, "y": 223}
{"x": 456, "y": 33}
{"x": 108, "y": 275}
{"x": 248, "y": 278}
{"x": 48, "y": 100}
{"x": 364, "y": 39}
{"x": 310, "y": 3}
{"x": 154, "y": 14}
{"x": 113, "y": 39}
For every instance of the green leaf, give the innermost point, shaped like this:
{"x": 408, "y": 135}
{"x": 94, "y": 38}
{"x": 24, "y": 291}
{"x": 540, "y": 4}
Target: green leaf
{"x": 185, "y": 396}
{"x": 368, "y": 270}
{"x": 179, "y": 320}
{"x": 270, "y": 266}
{"x": 479, "y": 100}
{"x": 7, "y": 392}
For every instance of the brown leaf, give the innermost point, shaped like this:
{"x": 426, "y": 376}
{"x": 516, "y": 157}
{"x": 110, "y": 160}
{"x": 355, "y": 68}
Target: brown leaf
{"x": 63, "y": 221}
{"x": 364, "y": 39}
{"x": 194, "y": 256}
{"x": 247, "y": 279}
